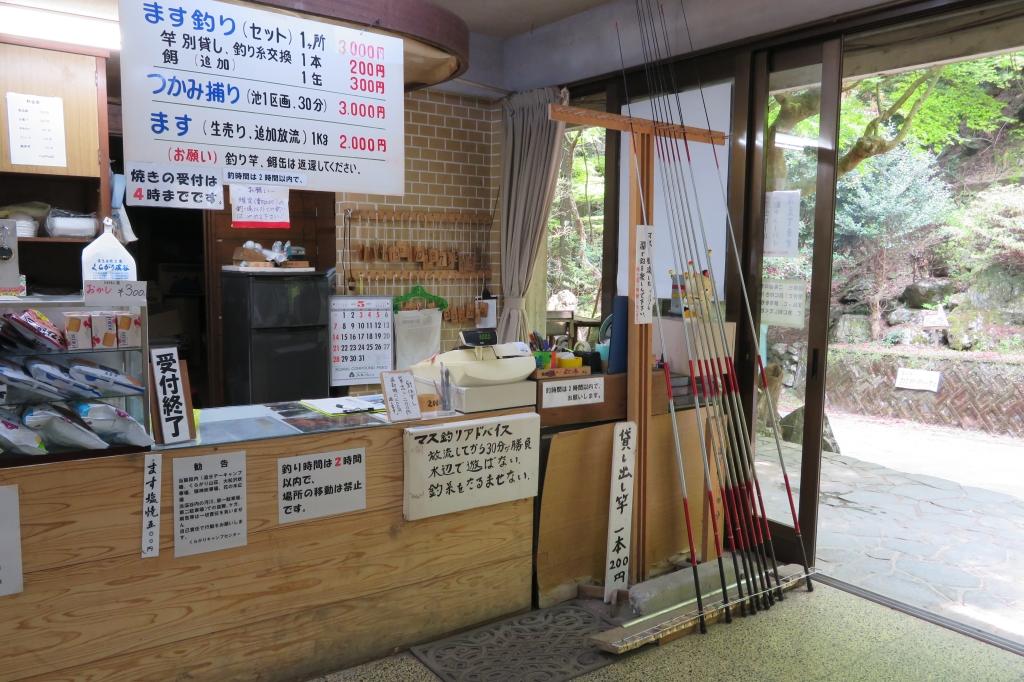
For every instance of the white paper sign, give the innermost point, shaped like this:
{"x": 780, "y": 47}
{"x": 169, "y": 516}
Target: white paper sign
{"x": 934, "y": 319}
{"x": 643, "y": 286}
{"x": 362, "y": 339}
{"x": 35, "y": 128}
{"x": 152, "y": 478}
{"x": 259, "y": 207}
{"x": 170, "y": 395}
{"x": 918, "y": 379}
{"x": 114, "y": 293}
{"x": 209, "y": 503}
{"x": 783, "y": 303}
{"x": 11, "y": 579}
{"x": 620, "y": 509}
{"x": 782, "y": 223}
{"x": 469, "y": 464}
{"x": 569, "y": 392}
{"x": 325, "y": 484}
{"x": 266, "y": 97}
{"x": 173, "y": 185}
{"x": 400, "y": 396}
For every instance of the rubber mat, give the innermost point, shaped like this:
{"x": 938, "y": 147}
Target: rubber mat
{"x": 549, "y": 645}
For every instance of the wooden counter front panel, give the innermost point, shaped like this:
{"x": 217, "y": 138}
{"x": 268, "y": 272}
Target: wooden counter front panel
{"x": 300, "y": 599}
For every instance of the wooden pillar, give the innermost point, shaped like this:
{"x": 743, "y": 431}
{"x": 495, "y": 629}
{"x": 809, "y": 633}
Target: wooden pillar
{"x": 638, "y": 395}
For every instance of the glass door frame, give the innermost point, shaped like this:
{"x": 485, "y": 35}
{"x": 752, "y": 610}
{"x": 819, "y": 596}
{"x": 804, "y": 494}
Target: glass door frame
{"x": 747, "y": 208}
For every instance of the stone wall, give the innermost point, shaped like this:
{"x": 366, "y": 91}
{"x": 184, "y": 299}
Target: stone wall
{"x": 980, "y": 393}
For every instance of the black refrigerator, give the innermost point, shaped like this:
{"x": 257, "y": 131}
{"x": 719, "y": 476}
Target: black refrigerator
{"x": 276, "y": 331}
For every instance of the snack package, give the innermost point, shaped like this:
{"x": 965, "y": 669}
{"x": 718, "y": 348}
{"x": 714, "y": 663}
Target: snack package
{"x": 60, "y": 427}
{"x": 105, "y": 380}
{"x": 104, "y": 330}
{"x": 129, "y": 330}
{"x": 58, "y": 377}
{"x": 16, "y": 439}
{"x": 37, "y": 329}
{"x": 113, "y": 425}
{"x": 78, "y": 330}
{"x": 21, "y": 386}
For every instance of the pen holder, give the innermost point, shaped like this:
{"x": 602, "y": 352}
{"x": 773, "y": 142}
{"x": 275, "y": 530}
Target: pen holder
{"x": 543, "y": 359}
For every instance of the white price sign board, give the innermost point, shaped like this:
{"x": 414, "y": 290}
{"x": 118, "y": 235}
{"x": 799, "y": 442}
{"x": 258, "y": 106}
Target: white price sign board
{"x": 12, "y": 580}
{"x": 362, "y": 339}
{"x": 643, "y": 284}
{"x": 783, "y": 303}
{"x": 469, "y": 464}
{"x": 400, "y": 398}
{"x": 114, "y": 293}
{"x": 262, "y": 97}
{"x": 918, "y": 379}
{"x": 568, "y": 392}
{"x": 209, "y": 503}
{"x": 324, "y": 484}
{"x": 620, "y": 509}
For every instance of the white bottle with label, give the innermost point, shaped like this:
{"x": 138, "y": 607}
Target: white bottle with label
{"x": 106, "y": 259}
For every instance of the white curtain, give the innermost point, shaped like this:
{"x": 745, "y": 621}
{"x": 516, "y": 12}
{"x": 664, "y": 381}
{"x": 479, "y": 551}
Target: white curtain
{"x": 529, "y": 171}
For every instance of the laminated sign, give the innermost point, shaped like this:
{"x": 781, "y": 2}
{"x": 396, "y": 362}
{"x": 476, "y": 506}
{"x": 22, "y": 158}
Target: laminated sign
{"x": 256, "y": 97}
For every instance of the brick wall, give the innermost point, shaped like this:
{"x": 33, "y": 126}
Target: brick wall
{"x": 452, "y": 168}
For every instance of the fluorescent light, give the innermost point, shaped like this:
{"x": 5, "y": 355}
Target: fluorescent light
{"x": 73, "y": 29}
{"x": 787, "y": 141}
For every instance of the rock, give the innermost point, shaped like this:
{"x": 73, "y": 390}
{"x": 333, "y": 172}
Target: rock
{"x": 904, "y": 316}
{"x": 792, "y": 426}
{"x": 930, "y": 291}
{"x": 563, "y": 300}
{"x": 856, "y": 290}
{"x": 852, "y": 329}
{"x": 996, "y": 289}
{"x": 965, "y": 327}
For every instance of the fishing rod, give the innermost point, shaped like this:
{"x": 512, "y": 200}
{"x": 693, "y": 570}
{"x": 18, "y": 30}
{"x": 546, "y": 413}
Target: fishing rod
{"x": 675, "y": 429}
{"x": 734, "y": 492}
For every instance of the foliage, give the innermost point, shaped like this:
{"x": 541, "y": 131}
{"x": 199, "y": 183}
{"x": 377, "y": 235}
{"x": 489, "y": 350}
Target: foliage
{"x": 989, "y": 231}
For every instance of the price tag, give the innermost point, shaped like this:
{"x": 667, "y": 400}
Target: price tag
{"x": 124, "y": 293}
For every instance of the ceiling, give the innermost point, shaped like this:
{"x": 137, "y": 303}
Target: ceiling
{"x": 504, "y": 18}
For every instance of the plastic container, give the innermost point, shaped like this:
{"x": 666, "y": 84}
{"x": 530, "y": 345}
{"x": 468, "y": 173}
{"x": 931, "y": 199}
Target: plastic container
{"x": 106, "y": 259}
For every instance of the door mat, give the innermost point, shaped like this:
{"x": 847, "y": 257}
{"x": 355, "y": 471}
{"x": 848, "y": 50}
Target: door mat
{"x": 549, "y": 645}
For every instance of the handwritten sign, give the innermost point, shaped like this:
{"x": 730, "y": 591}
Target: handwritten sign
{"x": 362, "y": 339}
{"x": 783, "y": 303}
{"x": 259, "y": 206}
{"x": 209, "y": 503}
{"x": 173, "y": 185}
{"x": 469, "y": 464}
{"x": 170, "y": 399}
{"x": 620, "y": 509}
{"x": 918, "y": 379}
{"x": 325, "y": 484}
{"x": 572, "y": 392}
{"x": 262, "y": 97}
{"x": 782, "y": 223}
{"x": 643, "y": 284}
{"x": 114, "y": 293}
{"x": 152, "y": 478}
{"x": 400, "y": 398}
{"x": 12, "y": 580}
{"x": 35, "y": 128}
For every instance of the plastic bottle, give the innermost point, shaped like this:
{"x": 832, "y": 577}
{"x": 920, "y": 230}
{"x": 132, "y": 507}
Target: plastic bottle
{"x": 106, "y": 259}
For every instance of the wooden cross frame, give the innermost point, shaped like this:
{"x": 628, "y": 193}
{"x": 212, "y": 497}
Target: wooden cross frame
{"x": 641, "y": 197}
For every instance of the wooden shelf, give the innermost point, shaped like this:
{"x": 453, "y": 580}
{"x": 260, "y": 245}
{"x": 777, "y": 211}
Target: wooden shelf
{"x": 55, "y": 240}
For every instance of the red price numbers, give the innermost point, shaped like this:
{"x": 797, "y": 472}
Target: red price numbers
{"x": 361, "y": 109}
{"x": 363, "y": 144}
{"x": 364, "y": 50}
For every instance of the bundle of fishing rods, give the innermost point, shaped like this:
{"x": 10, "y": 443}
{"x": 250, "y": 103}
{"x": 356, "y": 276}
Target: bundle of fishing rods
{"x": 726, "y": 445}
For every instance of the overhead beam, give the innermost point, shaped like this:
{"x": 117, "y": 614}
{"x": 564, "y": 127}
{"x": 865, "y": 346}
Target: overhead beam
{"x": 632, "y": 124}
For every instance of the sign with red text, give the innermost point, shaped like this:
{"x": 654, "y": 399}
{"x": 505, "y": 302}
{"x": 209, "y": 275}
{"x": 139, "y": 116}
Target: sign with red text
{"x": 324, "y": 484}
{"x": 172, "y": 185}
{"x": 262, "y": 97}
{"x": 96, "y": 292}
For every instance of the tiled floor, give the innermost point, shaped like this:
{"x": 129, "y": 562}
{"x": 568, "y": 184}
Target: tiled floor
{"x": 826, "y": 635}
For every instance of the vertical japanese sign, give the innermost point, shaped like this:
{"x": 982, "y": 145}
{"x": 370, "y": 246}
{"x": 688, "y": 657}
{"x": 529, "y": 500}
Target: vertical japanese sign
{"x": 400, "y": 398}
{"x": 324, "y": 484}
{"x": 259, "y": 207}
{"x": 362, "y": 339}
{"x": 783, "y": 303}
{"x": 11, "y": 579}
{"x": 643, "y": 285}
{"x": 209, "y": 503}
{"x": 782, "y": 223}
{"x": 152, "y": 477}
{"x": 464, "y": 465}
{"x": 262, "y": 97}
{"x": 169, "y": 391}
{"x": 620, "y": 509}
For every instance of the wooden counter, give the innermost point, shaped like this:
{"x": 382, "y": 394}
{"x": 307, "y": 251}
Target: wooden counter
{"x": 299, "y": 600}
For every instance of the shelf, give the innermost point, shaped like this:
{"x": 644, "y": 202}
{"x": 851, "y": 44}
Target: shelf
{"x": 4, "y": 354}
{"x": 55, "y": 240}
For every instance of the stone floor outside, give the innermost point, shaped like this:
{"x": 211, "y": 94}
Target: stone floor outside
{"x": 953, "y": 545}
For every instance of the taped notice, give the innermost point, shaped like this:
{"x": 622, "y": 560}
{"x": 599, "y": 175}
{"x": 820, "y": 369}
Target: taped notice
{"x": 259, "y": 207}
{"x": 324, "y": 484}
{"x": 782, "y": 224}
{"x": 35, "y": 127}
{"x": 783, "y": 303}
{"x": 571, "y": 392}
{"x": 209, "y": 503}
{"x": 173, "y": 186}
{"x": 643, "y": 286}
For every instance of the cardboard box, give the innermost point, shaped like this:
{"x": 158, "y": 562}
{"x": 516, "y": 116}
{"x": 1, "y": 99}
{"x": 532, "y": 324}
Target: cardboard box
{"x": 129, "y": 330}
{"x": 104, "y": 329}
{"x": 78, "y": 330}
